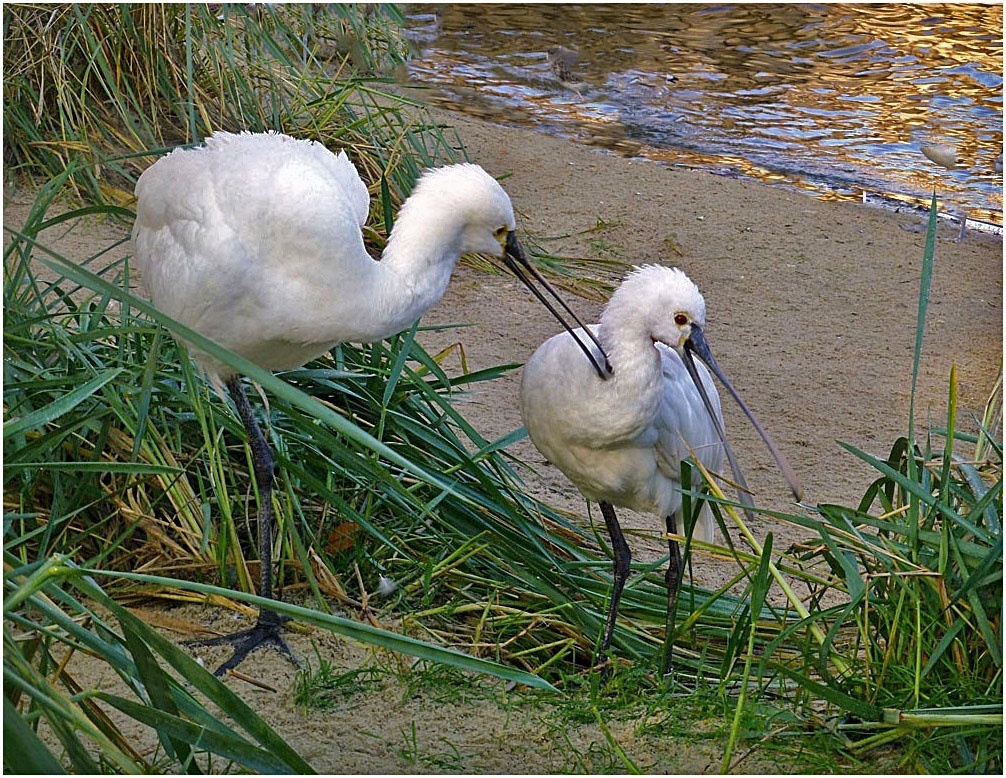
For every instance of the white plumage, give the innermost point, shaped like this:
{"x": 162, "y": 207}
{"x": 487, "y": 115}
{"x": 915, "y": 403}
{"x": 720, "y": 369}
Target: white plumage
{"x": 255, "y": 241}
{"x": 621, "y": 440}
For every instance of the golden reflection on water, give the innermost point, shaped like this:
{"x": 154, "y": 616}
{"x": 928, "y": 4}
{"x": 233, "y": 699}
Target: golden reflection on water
{"x": 831, "y": 98}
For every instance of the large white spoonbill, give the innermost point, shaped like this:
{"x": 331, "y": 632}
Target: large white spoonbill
{"x": 255, "y": 241}
{"x": 621, "y": 440}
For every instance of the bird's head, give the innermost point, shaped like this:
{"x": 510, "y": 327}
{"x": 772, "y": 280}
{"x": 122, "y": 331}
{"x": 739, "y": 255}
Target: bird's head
{"x": 671, "y": 308}
{"x": 486, "y": 213}
{"x": 661, "y": 301}
{"x": 481, "y": 212}
{"x": 470, "y": 205}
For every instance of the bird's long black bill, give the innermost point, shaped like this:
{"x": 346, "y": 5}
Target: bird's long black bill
{"x": 697, "y": 343}
{"x": 516, "y": 260}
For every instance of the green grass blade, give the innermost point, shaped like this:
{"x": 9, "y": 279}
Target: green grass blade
{"x": 24, "y": 753}
{"x": 345, "y": 627}
{"x": 916, "y": 490}
{"x": 157, "y": 686}
{"x": 183, "y": 731}
{"x": 199, "y": 677}
{"x": 760, "y": 585}
{"x": 122, "y": 468}
{"x": 53, "y": 411}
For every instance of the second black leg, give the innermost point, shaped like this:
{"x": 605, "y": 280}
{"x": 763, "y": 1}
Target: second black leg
{"x": 673, "y": 579}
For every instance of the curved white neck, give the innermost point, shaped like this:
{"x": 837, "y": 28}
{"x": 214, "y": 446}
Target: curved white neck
{"x": 636, "y": 374}
{"x": 410, "y": 278}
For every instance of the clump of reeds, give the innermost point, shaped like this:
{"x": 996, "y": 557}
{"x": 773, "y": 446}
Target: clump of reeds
{"x": 912, "y": 653}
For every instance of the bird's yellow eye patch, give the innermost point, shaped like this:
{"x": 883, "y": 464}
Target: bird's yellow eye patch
{"x": 680, "y": 319}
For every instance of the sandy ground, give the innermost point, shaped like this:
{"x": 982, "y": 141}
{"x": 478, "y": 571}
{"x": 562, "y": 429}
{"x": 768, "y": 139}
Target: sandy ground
{"x": 811, "y": 306}
{"x": 811, "y": 309}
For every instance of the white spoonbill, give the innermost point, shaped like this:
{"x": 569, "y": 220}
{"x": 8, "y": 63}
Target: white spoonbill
{"x": 255, "y": 241}
{"x": 621, "y": 440}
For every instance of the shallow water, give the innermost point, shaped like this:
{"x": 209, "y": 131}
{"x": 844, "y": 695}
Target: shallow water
{"x": 833, "y": 99}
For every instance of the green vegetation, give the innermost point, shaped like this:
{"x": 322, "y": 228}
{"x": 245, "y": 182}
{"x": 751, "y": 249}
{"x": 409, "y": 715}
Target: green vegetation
{"x": 125, "y": 477}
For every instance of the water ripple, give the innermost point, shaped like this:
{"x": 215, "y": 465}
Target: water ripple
{"x": 835, "y": 99}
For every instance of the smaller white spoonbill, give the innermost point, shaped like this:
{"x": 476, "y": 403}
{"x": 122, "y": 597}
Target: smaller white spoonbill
{"x": 621, "y": 440}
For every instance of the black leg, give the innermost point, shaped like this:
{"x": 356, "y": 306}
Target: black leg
{"x": 264, "y": 471}
{"x": 673, "y": 579}
{"x": 266, "y": 631}
{"x": 623, "y": 557}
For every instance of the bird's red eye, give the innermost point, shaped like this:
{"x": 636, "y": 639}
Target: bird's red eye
{"x": 680, "y": 319}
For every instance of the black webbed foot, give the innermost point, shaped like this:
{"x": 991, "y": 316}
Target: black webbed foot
{"x": 267, "y": 632}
